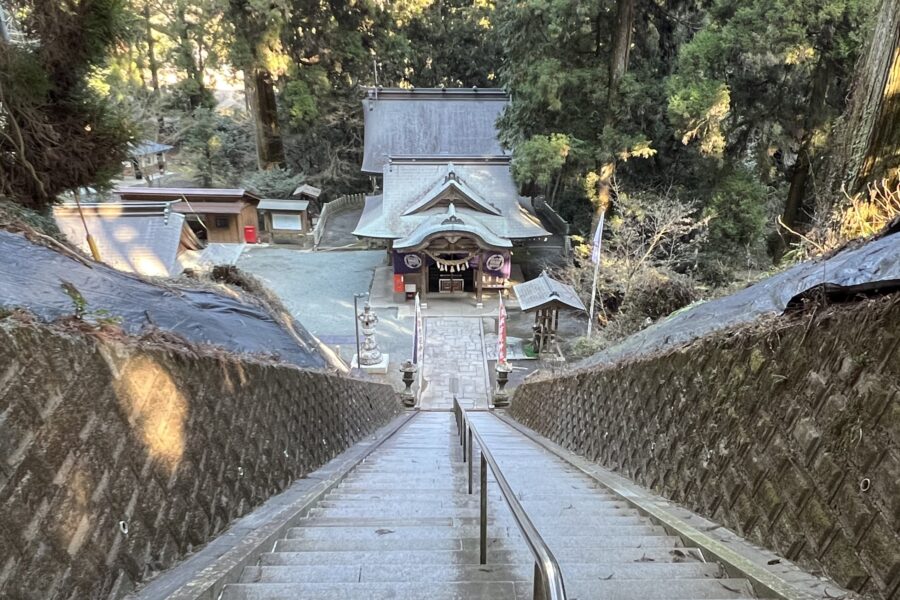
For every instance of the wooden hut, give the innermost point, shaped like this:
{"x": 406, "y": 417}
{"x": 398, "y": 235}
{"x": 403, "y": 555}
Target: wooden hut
{"x": 545, "y": 296}
{"x": 217, "y": 215}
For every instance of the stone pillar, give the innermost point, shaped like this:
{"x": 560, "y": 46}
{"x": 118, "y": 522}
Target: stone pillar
{"x": 423, "y": 289}
{"x": 479, "y": 284}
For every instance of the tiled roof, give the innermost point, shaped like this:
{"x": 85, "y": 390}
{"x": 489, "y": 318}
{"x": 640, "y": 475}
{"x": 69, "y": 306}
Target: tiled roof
{"x": 283, "y": 205}
{"x": 407, "y": 183}
{"x": 307, "y": 190}
{"x": 148, "y": 147}
{"x": 135, "y": 242}
{"x": 431, "y": 122}
{"x": 192, "y": 194}
{"x": 545, "y": 291}
{"x": 452, "y": 222}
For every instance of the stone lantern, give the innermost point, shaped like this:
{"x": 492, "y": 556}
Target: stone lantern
{"x": 409, "y": 374}
{"x": 501, "y": 396}
{"x": 370, "y": 358}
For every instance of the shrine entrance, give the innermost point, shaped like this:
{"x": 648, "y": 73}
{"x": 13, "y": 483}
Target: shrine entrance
{"x": 447, "y": 282}
{"x": 450, "y": 256}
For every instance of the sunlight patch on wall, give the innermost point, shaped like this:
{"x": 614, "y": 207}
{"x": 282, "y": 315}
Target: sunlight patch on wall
{"x": 157, "y": 410}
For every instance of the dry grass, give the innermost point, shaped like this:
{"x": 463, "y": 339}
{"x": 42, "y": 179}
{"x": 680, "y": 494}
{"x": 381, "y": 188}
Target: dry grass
{"x": 860, "y": 217}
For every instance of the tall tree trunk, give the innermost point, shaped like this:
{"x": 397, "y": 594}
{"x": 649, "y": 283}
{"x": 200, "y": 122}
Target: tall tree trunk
{"x": 186, "y": 50}
{"x": 618, "y": 66}
{"x": 797, "y": 193}
{"x": 154, "y": 69}
{"x": 621, "y": 49}
{"x": 260, "y": 92}
{"x": 882, "y": 157}
{"x": 867, "y": 144}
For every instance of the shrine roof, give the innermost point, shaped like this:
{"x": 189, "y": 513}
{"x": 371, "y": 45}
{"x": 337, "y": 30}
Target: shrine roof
{"x": 486, "y": 190}
{"x": 431, "y": 122}
{"x": 450, "y": 223}
{"x": 544, "y": 291}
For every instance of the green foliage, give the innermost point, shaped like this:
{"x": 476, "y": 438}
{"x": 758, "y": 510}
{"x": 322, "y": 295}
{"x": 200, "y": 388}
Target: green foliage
{"x": 274, "y": 183}
{"x": 56, "y": 132}
{"x": 217, "y": 148}
{"x": 302, "y": 106}
{"x": 540, "y": 158}
{"x": 737, "y": 211}
{"x": 697, "y": 109}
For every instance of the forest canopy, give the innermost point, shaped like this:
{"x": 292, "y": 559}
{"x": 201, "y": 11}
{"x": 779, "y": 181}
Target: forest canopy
{"x": 753, "y": 124}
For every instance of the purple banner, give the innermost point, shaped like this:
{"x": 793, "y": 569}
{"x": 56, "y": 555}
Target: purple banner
{"x": 405, "y": 263}
{"x": 496, "y": 264}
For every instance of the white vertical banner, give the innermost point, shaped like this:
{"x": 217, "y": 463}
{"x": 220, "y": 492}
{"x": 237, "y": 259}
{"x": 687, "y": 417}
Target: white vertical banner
{"x": 419, "y": 342}
{"x": 595, "y": 258}
{"x": 501, "y": 335}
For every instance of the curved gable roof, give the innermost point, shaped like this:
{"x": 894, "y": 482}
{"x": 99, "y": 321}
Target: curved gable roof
{"x": 449, "y": 223}
{"x": 451, "y": 181}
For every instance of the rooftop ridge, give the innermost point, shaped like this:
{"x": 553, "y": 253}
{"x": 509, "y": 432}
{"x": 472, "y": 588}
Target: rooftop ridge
{"x": 456, "y": 159}
{"x": 472, "y": 93}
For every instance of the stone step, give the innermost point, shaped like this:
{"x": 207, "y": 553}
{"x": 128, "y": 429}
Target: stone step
{"x": 450, "y": 532}
{"x": 662, "y": 589}
{"x": 370, "y": 591}
{"x": 426, "y": 510}
{"x": 494, "y": 518}
{"x": 367, "y": 533}
{"x": 414, "y": 571}
{"x": 689, "y": 589}
{"x": 393, "y": 542}
{"x": 642, "y": 556}
{"x": 364, "y": 495}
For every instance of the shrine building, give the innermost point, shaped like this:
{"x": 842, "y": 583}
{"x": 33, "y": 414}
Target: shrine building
{"x": 448, "y": 207}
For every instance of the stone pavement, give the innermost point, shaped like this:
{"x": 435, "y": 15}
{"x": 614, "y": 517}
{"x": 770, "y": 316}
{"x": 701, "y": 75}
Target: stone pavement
{"x": 454, "y": 361}
{"x": 339, "y": 231}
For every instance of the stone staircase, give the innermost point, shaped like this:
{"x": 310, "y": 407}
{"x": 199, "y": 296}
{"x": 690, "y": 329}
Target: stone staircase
{"x": 401, "y": 525}
{"x": 605, "y": 548}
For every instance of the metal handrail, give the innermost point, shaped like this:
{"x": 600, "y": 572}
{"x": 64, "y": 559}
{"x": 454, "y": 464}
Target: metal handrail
{"x": 548, "y": 579}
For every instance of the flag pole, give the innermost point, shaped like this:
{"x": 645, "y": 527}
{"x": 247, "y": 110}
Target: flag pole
{"x": 595, "y": 254}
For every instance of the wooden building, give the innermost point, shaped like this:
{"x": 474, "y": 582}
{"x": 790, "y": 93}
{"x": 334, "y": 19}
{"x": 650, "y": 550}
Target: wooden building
{"x": 449, "y": 207}
{"x": 285, "y": 221}
{"x": 311, "y": 193}
{"x": 545, "y": 296}
{"x": 146, "y": 161}
{"x": 216, "y": 215}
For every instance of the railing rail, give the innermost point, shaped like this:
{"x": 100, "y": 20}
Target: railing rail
{"x": 548, "y": 580}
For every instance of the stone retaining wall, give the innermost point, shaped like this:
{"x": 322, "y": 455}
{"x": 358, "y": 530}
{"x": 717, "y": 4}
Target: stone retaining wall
{"x": 118, "y": 460}
{"x": 787, "y": 432}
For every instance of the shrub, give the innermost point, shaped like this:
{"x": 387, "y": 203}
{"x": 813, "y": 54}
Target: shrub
{"x": 657, "y": 293}
{"x": 737, "y": 208}
{"x": 274, "y": 183}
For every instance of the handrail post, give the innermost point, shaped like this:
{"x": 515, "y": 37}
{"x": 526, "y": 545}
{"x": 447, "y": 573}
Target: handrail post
{"x": 470, "y": 460}
{"x": 548, "y": 580}
{"x": 463, "y": 438}
{"x": 539, "y": 587}
{"x": 483, "y": 554}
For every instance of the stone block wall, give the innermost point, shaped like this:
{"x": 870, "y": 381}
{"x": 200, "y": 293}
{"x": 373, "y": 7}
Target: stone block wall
{"x": 117, "y": 459}
{"x": 787, "y": 432}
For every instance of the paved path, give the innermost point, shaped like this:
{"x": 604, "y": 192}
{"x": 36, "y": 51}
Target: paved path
{"x": 454, "y": 351}
{"x": 339, "y": 230}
